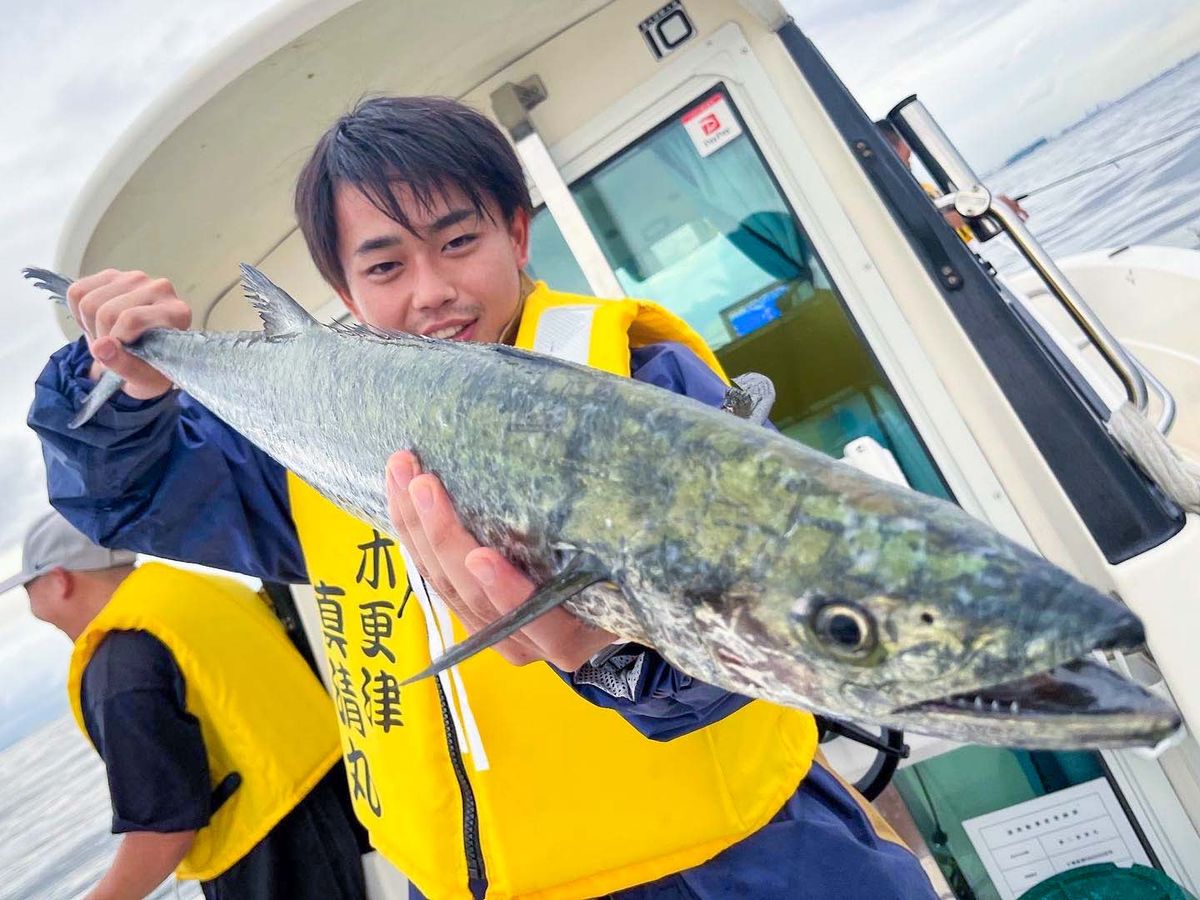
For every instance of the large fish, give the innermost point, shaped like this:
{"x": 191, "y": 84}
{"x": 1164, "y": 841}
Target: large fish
{"x": 745, "y": 558}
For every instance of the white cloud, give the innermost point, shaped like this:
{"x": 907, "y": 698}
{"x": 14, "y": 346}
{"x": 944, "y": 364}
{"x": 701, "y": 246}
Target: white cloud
{"x": 999, "y": 75}
{"x": 33, "y": 670}
{"x": 21, "y": 463}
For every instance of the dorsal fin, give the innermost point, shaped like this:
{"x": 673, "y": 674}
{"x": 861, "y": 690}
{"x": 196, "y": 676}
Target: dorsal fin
{"x": 282, "y": 316}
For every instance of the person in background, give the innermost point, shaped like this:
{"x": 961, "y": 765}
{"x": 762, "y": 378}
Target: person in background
{"x": 220, "y": 744}
{"x": 952, "y": 217}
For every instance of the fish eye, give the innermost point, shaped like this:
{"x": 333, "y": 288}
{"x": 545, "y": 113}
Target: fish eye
{"x": 845, "y": 628}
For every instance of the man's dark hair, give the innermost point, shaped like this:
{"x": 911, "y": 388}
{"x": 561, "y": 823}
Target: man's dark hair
{"x": 427, "y": 144}
{"x": 889, "y": 131}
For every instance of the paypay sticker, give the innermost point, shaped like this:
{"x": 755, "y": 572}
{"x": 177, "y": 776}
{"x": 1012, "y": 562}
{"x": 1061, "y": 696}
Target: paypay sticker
{"x": 711, "y": 125}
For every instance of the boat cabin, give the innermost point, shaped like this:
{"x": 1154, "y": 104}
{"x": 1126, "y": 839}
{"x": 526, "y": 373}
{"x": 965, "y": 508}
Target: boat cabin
{"x": 703, "y": 154}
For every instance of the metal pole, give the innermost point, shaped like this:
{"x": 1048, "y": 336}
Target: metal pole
{"x": 511, "y": 103}
{"x": 1110, "y": 348}
{"x": 938, "y": 154}
{"x": 1166, "y": 417}
{"x": 974, "y": 201}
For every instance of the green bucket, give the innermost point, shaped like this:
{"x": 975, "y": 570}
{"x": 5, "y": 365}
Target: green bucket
{"x": 1105, "y": 881}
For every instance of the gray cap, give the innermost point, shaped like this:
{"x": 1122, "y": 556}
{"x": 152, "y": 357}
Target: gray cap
{"x": 53, "y": 542}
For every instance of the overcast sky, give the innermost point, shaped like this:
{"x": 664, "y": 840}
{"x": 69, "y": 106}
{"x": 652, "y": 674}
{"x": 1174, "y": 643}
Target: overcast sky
{"x": 999, "y": 75}
{"x": 75, "y": 74}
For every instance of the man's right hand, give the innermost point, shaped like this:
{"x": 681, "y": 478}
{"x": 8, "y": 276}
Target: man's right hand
{"x": 114, "y": 308}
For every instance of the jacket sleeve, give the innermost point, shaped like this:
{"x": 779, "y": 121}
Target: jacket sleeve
{"x": 135, "y": 711}
{"x": 652, "y": 695}
{"x": 164, "y": 477}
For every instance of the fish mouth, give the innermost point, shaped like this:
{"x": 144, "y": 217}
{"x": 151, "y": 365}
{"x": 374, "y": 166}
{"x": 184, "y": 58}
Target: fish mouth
{"x": 1078, "y": 704}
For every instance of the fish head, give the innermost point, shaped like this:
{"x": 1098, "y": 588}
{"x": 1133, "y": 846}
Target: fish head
{"x": 969, "y": 636}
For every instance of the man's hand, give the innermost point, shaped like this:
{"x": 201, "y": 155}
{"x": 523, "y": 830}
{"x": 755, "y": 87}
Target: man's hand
{"x": 114, "y": 308}
{"x": 1013, "y": 205}
{"x": 478, "y": 583}
{"x": 143, "y": 862}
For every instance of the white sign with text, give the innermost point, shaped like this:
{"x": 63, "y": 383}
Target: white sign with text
{"x": 1077, "y": 826}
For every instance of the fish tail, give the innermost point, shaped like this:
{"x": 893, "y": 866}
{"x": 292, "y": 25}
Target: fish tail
{"x": 110, "y": 382}
{"x": 51, "y": 282}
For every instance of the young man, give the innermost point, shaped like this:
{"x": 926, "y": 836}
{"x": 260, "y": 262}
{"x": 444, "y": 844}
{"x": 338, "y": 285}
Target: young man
{"x": 219, "y": 744}
{"x": 494, "y": 779}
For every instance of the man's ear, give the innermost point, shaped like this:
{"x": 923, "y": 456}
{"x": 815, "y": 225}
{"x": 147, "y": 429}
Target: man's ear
{"x": 349, "y": 303}
{"x": 518, "y": 231}
{"x": 62, "y": 582}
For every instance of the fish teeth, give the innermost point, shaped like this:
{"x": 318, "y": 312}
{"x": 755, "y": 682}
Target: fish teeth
{"x": 978, "y": 702}
{"x": 1012, "y": 707}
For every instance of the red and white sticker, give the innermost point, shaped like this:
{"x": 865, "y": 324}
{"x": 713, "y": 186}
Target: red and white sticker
{"x": 711, "y": 125}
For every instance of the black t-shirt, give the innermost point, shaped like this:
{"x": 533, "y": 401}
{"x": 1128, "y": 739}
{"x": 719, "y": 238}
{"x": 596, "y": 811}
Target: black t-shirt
{"x": 133, "y": 698}
{"x": 134, "y": 707}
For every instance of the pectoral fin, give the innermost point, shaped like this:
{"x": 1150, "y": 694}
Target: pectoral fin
{"x": 582, "y": 572}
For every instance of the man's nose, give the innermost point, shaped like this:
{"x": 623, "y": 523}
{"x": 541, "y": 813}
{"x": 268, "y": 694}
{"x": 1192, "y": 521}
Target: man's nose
{"x": 433, "y": 287}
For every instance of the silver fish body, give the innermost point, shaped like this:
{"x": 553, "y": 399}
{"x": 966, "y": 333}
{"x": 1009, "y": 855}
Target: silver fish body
{"x": 747, "y": 559}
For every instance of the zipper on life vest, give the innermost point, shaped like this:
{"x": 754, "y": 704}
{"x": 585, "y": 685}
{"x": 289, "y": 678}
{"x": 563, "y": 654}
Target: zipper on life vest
{"x": 476, "y": 873}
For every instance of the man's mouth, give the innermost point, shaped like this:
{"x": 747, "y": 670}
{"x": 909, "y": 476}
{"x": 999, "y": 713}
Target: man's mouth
{"x": 452, "y": 331}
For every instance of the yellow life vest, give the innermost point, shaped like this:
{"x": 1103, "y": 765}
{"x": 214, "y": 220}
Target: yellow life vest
{"x": 964, "y": 231}
{"x": 262, "y": 712}
{"x": 508, "y": 765}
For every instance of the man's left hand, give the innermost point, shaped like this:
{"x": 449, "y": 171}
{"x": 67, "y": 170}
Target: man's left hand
{"x": 1014, "y": 206}
{"x": 477, "y": 582}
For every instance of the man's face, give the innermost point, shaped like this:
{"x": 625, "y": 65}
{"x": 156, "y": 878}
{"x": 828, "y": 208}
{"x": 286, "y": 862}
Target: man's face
{"x": 44, "y": 598}
{"x": 457, "y": 278}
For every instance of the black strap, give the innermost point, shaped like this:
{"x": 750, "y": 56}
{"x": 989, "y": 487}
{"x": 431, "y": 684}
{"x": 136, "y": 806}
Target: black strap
{"x": 890, "y": 748}
{"x": 225, "y": 790}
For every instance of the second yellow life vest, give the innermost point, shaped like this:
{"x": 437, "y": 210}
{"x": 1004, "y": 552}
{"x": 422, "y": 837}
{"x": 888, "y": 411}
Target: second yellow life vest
{"x": 502, "y": 773}
{"x": 964, "y": 231}
{"x": 262, "y": 712}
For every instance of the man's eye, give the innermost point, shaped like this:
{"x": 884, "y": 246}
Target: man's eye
{"x": 461, "y": 241}
{"x": 383, "y": 268}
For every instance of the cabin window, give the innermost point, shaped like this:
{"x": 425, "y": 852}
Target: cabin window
{"x": 689, "y": 215}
